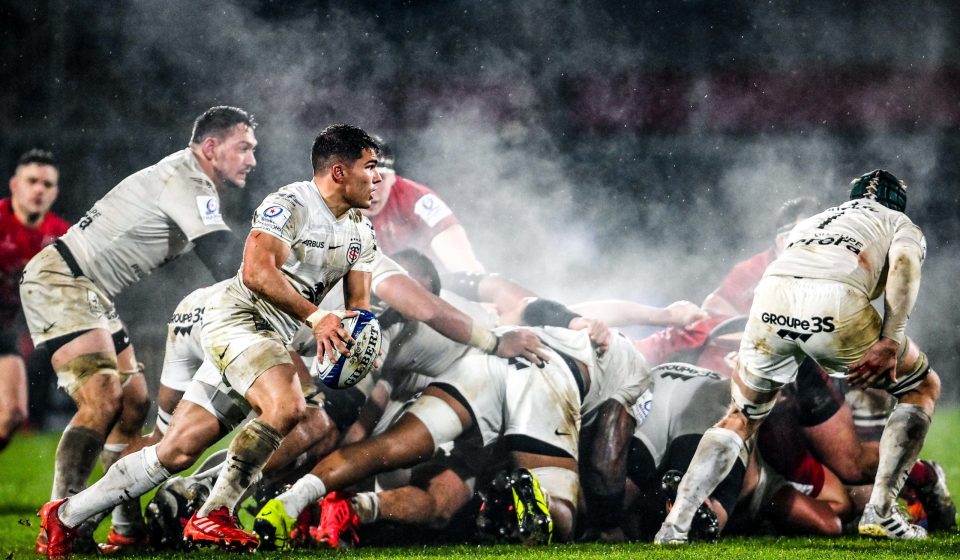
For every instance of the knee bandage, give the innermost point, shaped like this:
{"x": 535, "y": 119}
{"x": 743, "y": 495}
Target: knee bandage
{"x": 439, "y": 418}
{"x": 752, "y": 410}
{"x": 72, "y": 374}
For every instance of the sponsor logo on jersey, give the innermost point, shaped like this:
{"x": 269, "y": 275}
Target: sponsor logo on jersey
{"x": 353, "y": 252}
{"x": 641, "y": 409}
{"x": 822, "y": 240}
{"x": 312, "y": 243}
{"x": 185, "y": 331}
{"x": 811, "y": 325}
{"x": 431, "y": 209}
{"x": 209, "y": 208}
{"x": 684, "y": 372}
{"x": 272, "y": 219}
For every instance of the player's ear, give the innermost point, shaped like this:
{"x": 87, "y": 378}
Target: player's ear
{"x": 338, "y": 172}
{"x": 208, "y": 147}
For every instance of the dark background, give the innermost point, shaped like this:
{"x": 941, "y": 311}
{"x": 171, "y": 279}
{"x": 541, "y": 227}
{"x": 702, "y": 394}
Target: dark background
{"x": 592, "y": 149}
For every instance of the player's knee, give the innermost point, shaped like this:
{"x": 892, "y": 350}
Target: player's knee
{"x": 563, "y": 514}
{"x": 11, "y": 418}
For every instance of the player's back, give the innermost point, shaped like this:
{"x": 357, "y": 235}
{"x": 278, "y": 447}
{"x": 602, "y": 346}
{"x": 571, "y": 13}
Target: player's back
{"x": 847, "y": 243}
{"x": 148, "y": 219}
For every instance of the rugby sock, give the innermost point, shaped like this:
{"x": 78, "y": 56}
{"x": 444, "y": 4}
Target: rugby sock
{"x": 367, "y": 506}
{"x": 129, "y": 478}
{"x": 76, "y": 456}
{"x": 110, "y": 453}
{"x": 899, "y": 448}
{"x": 126, "y": 518}
{"x": 211, "y": 467}
{"x": 248, "y": 452}
{"x": 303, "y": 492}
{"x": 717, "y": 453}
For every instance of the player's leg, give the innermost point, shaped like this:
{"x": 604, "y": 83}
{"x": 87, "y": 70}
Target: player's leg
{"x": 718, "y": 451}
{"x": 87, "y": 367}
{"x": 917, "y": 390}
{"x": 13, "y": 388}
{"x": 434, "y": 419}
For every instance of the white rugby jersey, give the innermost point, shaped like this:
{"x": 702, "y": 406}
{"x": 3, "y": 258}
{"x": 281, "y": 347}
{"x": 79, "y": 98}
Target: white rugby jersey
{"x": 621, "y": 373}
{"x": 848, "y": 243}
{"x": 147, "y": 220}
{"x": 322, "y": 248}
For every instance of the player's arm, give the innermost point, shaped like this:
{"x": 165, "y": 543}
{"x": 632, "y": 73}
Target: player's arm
{"x": 718, "y": 305}
{"x": 454, "y": 251}
{"x": 545, "y": 312}
{"x": 407, "y": 297}
{"x": 507, "y": 296}
{"x": 219, "y": 251}
{"x": 356, "y": 289}
{"x": 903, "y": 284}
{"x": 263, "y": 255}
{"x": 604, "y": 472}
{"x": 618, "y": 313}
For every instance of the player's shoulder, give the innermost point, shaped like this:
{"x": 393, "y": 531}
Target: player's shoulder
{"x": 180, "y": 170}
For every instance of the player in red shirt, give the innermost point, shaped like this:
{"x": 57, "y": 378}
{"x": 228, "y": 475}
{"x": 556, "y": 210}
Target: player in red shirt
{"x": 26, "y": 226}
{"x": 408, "y": 215}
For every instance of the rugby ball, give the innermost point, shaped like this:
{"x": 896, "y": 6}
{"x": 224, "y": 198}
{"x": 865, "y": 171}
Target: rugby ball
{"x": 347, "y": 371}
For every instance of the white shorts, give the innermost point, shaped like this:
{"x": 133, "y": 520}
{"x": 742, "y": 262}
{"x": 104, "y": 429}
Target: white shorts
{"x": 208, "y": 390}
{"x": 56, "y": 303}
{"x": 239, "y": 342}
{"x": 534, "y": 409}
{"x": 831, "y": 322}
{"x": 182, "y": 357}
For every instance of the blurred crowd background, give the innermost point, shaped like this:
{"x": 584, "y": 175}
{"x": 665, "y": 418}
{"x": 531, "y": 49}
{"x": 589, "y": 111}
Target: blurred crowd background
{"x": 591, "y": 149}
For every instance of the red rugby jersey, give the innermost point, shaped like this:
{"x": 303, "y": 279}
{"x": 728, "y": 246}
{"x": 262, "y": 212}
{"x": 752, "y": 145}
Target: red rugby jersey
{"x": 412, "y": 216}
{"x": 18, "y": 244}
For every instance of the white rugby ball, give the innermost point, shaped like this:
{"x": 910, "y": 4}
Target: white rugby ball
{"x": 347, "y": 371}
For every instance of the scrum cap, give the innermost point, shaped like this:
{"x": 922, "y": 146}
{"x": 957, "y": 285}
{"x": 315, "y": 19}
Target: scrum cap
{"x": 882, "y": 186}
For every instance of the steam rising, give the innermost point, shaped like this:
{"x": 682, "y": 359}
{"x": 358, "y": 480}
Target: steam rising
{"x": 480, "y": 101}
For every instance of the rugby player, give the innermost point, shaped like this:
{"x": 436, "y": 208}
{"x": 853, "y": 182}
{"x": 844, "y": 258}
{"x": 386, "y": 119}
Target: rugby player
{"x": 305, "y": 238}
{"x": 814, "y": 300}
{"x": 148, "y": 219}
{"x": 408, "y": 215}
{"x": 26, "y": 226}
{"x": 491, "y": 399}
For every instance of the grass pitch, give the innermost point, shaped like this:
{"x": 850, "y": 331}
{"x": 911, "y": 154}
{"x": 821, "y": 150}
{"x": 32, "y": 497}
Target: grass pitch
{"x": 26, "y": 470}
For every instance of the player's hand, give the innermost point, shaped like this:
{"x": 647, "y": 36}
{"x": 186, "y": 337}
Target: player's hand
{"x": 880, "y": 362}
{"x": 682, "y": 313}
{"x": 598, "y": 330}
{"x": 331, "y": 336}
{"x": 522, "y": 343}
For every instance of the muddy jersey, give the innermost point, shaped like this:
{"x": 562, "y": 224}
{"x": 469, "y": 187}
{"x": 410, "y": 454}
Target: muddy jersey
{"x": 621, "y": 373}
{"x": 147, "y": 220}
{"x": 848, "y": 243}
{"x": 687, "y": 400}
{"x": 323, "y": 249}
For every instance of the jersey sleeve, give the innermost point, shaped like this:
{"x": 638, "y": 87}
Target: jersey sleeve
{"x": 282, "y": 216}
{"x": 194, "y": 208}
{"x": 428, "y": 210}
{"x": 909, "y": 233}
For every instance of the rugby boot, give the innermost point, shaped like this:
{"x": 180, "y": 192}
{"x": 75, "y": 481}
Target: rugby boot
{"x": 935, "y": 496}
{"x": 893, "y": 526}
{"x": 219, "y": 528}
{"x": 168, "y": 512}
{"x": 533, "y": 512}
{"x": 338, "y": 522}
{"x": 276, "y": 529}
{"x": 669, "y": 534}
{"x": 55, "y": 539}
{"x": 496, "y": 520}
{"x": 120, "y": 544}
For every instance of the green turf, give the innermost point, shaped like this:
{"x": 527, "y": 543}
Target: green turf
{"x": 26, "y": 470}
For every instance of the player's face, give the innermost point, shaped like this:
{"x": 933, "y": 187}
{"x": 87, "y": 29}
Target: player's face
{"x": 33, "y": 188}
{"x": 362, "y": 181}
{"x": 233, "y": 157}
{"x": 379, "y": 197}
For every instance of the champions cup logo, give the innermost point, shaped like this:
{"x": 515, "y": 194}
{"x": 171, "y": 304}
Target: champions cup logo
{"x": 212, "y": 206}
{"x": 353, "y": 252}
{"x": 273, "y": 212}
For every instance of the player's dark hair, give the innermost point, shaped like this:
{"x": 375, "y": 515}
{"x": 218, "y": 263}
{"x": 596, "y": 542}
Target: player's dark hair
{"x": 388, "y": 159}
{"x": 340, "y": 143}
{"x": 36, "y": 155}
{"x": 793, "y": 210}
{"x": 217, "y": 121}
{"x": 420, "y": 267}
